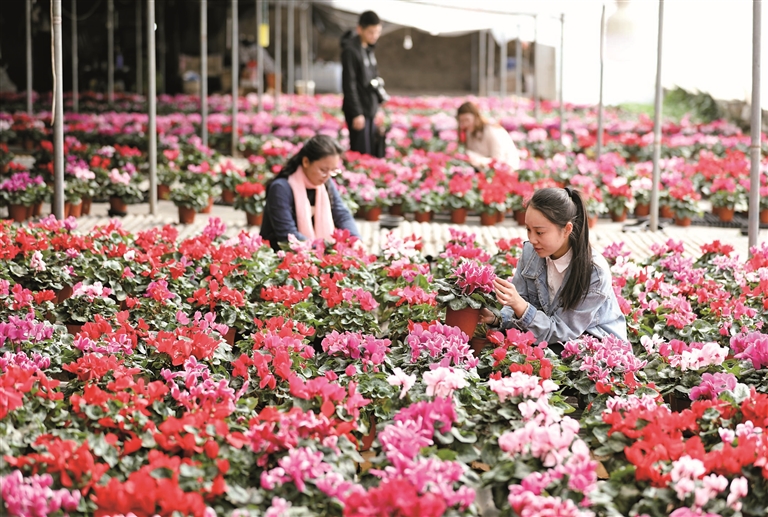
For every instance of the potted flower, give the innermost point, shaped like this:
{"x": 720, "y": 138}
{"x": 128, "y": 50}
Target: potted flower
{"x": 21, "y": 192}
{"x": 86, "y": 302}
{"x": 492, "y": 201}
{"x": 230, "y": 177}
{"x": 725, "y": 194}
{"x": 464, "y": 291}
{"x": 250, "y": 197}
{"x": 190, "y": 198}
{"x": 6, "y": 157}
{"x": 167, "y": 172}
{"x": 424, "y": 199}
{"x": 684, "y": 201}
{"x": 641, "y": 191}
{"x": 122, "y": 190}
{"x": 462, "y": 193}
{"x": 617, "y": 194}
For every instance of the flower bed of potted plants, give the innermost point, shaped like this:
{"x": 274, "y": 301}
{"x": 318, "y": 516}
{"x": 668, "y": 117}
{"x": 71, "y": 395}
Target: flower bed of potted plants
{"x": 190, "y": 198}
{"x": 21, "y": 192}
{"x": 250, "y": 196}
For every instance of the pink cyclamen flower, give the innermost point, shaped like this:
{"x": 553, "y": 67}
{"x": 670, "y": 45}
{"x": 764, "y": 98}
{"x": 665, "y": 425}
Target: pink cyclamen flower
{"x": 442, "y": 382}
{"x": 400, "y": 378}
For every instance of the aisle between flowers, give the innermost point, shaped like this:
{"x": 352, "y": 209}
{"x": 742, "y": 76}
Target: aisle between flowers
{"x": 341, "y": 392}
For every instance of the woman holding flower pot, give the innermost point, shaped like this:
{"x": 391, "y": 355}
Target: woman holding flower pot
{"x": 562, "y": 289}
{"x": 303, "y": 200}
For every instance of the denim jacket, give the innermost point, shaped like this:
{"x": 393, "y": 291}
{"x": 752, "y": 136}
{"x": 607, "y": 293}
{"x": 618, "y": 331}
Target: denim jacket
{"x": 598, "y": 314}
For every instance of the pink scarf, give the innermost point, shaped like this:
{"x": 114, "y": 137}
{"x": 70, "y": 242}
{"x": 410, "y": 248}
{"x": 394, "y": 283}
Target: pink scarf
{"x": 323, "y": 228}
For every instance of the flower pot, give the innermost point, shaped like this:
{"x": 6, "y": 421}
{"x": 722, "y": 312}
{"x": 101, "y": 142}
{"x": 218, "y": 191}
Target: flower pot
{"x": 37, "y": 210}
{"x": 716, "y": 211}
{"x": 228, "y": 196}
{"x": 682, "y": 221}
{"x": 642, "y": 210}
{"x": 396, "y": 209}
{"x": 489, "y": 219}
{"x": 666, "y": 212}
{"x": 63, "y": 293}
{"x": 520, "y": 217}
{"x": 367, "y": 440}
{"x": 30, "y": 210}
{"x": 373, "y": 213}
{"x": 254, "y": 219}
{"x": 207, "y": 209}
{"x": 459, "y": 215}
{"x": 74, "y": 328}
{"x": 164, "y": 192}
{"x": 361, "y": 213}
{"x": 592, "y": 221}
{"x": 726, "y": 214}
{"x": 76, "y": 210}
{"x": 500, "y": 216}
{"x": 230, "y": 336}
{"x": 619, "y": 218}
{"x": 116, "y": 204}
{"x": 28, "y": 144}
{"x": 67, "y": 209}
{"x": 677, "y": 404}
{"x": 18, "y": 213}
{"x": 764, "y": 216}
{"x": 87, "y": 205}
{"x": 422, "y": 217}
{"x": 466, "y": 319}
{"x": 186, "y": 215}
{"x": 477, "y": 344}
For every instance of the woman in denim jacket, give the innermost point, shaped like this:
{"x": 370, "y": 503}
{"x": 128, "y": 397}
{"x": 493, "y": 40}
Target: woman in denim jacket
{"x": 562, "y": 288}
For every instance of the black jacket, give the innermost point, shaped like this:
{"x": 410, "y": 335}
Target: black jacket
{"x": 358, "y": 68}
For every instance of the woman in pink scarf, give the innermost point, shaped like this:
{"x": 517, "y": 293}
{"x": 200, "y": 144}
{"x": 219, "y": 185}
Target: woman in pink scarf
{"x": 303, "y": 199}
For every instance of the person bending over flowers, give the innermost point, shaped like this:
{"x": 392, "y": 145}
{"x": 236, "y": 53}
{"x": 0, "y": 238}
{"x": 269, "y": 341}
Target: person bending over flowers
{"x": 562, "y": 289}
{"x": 303, "y": 199}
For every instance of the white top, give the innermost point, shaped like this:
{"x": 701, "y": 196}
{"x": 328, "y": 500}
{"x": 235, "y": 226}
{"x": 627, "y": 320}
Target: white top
{"x": 494, "y": 142}
{"x": 556, "y": 269}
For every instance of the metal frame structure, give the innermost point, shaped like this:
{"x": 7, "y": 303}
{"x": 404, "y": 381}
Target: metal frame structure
{"x": 235, "y": 74}
{"x": 152, "y": 105}
{"x": 111, "y": 52}
{"x": 204, "y": 71}
{"x": 58, "y": 111}
{"x": 75, "y": 89}
{"x": 29, "y": 55}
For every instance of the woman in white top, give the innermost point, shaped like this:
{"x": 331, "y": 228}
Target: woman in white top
{"x": 484, "y": 141}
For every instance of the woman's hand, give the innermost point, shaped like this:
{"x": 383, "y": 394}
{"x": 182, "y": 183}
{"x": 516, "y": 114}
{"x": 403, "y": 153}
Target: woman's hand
{"x": 507, "y": 294}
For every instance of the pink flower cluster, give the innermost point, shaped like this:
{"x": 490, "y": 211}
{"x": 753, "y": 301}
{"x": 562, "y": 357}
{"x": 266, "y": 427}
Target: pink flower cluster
{"x": 30, "y": 364}
{"x": 448, "y": 343}
{"x": 521, "y": 385}
{"x": 602, "y": 358}
{"x": 33, "y": 496}
{"x": 471, "y": 276}
{"x": 90, "y": 291}
{"x": 25, "y": 330}
{"x": 752, "y": 346}
{"x": 115, "y": 344}
{"x": 20, "y": 181}
{"x": 200, "y": 390}
{"x": 693, "y": 356}
{"x": 712, "y": 385}
{"x": 372, "y": 351}
{"x": 443, "y": 381}
{"x": 688, "y": 478}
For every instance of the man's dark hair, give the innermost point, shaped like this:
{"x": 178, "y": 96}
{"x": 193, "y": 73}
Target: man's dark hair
{"x": 368, "y": 18}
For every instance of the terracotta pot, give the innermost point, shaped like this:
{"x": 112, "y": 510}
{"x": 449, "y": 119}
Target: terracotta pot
{"x": 459, "y": 215}
{"x": 367, "y": 440}
{"x": 520, "y": 217}
{"x": 74, "y": 328}
{"x": 87, "y": 205}
{"x": 228, "y": 196}
{"x": 592, "y": 221}
{"x": 67, "y": 209}
{"x": 466, "y": 319}
{"x": 117, "y": 204}
{"x": 477, "y": 344}
{"x": 186, "y": 215}
{"x": 396, "y": 209}
{"x": 716, "y": 210}
{"x": 489, "y": 219}
{"x": 30, "y": 210}
{"x": 207, "y": 209}
{"x": 164, "y": 192}
{"x": 726, "y": 214}
{"x": 28, "y": 144}
{"x": 230, "y": 336}
{"x": 764, "y": 216}
{"x": 500, "y": 217}
{"x": 76, "y": 210}
{"x": 373, "y": 213}
{"x": 63, "y": 293}
{"x": 37, "y": 210}
{"x": 18, "y": 213}
{"x": 682, "y": 221}
{"x": 642, "y": 210}
{"x": 619, "y": 218}
{"x": 254, "y": 219}
{"x": 361, "y": 213}
{"x": 422, "y": 217}
{"x": 666, "y": 212}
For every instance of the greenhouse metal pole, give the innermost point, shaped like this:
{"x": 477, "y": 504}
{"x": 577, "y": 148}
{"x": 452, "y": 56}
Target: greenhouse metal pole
{"x": 304, "y": 47}
{"x": 503, "y": 68}
{"x": 289, "y": 87}
{"x": 278, "y": 52}
{"x": 519, "y": 65}
{"x": 535, "y": 67}
{"x": 75, "y": 93}
{"x": 152, "y": 105}
{"x": 139, "y": 52}
{"x": 600, "y": 103}
{"x": 560, "y": 93}
{"x": 260, "y": 56}
{"x": 756, "y": 123}
{"x": 29, "y": 57}
{"x": 110, "y": 51}
{"x": 657, "y": 127}
{"x": 235, "y": 76}
{"x": 58, "y": 113}
{"x": 491, "y": 61}
{"x": 481, "y": 72}
{"x": 204, "y": 71}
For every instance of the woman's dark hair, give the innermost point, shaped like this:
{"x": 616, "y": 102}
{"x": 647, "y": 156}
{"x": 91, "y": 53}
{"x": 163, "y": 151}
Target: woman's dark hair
{"x": 316, "y": 148}
{"x": 368, "y": 18}
{"x": 562, "y": 206}
{"x": 471, "y": 108}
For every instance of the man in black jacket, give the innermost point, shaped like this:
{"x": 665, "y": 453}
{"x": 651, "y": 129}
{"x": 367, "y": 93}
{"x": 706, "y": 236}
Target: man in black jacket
{"x": 361, "y": 102}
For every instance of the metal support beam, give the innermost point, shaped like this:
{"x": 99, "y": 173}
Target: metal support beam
{"x": 278, "y": 52}
{"x": 235, "y": 75}
{"x": 289, "y": 87}
{"x": 303, "y": 29}
{"x": 29, "y": 56}
{"x": 75, "y": 89}
{"x": 204, "y": 71}
{"x": 58, "y": 112}
{"x": 152, "y": 105}
{"x": 139, "y": 51}
{"x": 260, "y": 55}
{"x": 162, "y": 48}
{"x": 503, "y": 69}
{"x": 536, "y": 101}
{"x": 560, "y": 92}
{"x": 756, "y": 125}
{"x": 482, "y": 83}
{"x": 491, "y": 62}
{"x": 600, "y": 104}
{"x": 518, "y": 65}
{"x": 657, "y": 126}
{"x": 110, "y": 51}
{"x": 310, "y": 45}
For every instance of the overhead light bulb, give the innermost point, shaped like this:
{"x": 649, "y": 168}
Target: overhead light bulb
{"x": 407, "y": 42}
